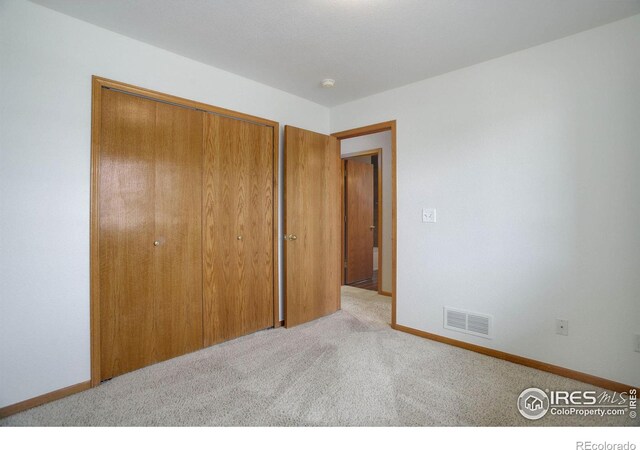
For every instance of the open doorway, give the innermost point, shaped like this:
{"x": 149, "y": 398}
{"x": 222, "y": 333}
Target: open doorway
{"x": 368, "y": 211}
{"x": 370, "y": 149}
{"x": 362, "y": 209}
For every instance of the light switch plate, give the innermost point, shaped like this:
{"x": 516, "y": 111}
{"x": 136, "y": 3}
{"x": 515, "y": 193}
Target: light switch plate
{"x": 428, "y": 215}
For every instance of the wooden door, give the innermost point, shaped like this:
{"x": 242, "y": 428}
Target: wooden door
{"x": 238, "y": 228}
{"x": 178, "y": 230}
{"x": 150, "y": 295}
{"x": 360, "y": 218}
{"x": 127, "y": 232}
{"x": 312, "y": 256}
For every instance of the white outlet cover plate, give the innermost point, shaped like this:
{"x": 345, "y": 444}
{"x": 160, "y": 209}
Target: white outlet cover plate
{"x": 428, "y": 215}
{"x": 562, "y": 327}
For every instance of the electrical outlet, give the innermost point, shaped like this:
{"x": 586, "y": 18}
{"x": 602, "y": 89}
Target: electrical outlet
{"x": 562, "y": 327}
{"x": 637, "y": 349}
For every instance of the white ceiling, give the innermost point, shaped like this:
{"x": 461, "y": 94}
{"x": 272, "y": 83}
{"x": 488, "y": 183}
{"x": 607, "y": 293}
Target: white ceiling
{"x": 368, "y": 46}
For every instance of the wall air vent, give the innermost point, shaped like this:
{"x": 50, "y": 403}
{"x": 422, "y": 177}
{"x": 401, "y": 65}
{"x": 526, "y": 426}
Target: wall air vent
{"x": 468, "y": 322}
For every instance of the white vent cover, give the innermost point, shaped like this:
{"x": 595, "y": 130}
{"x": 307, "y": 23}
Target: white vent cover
{"x": 468, "y": 322}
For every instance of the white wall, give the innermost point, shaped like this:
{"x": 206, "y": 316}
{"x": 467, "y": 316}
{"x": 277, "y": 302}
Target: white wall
{"x": 371, "y": 142}
{"x": 46, "y": 63}
{"x": 532, "y": 161}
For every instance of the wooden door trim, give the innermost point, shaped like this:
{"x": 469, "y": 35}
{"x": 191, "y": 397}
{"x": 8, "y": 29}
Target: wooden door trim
{"x": 276, "y": 230}
{"x": 179, "y": 101}
{"x": 375, "y": 152}
{"x": 97, "y": 85}
{"x": 94, "y": 259}
{"x": 539, "y": 365}
{"x": 371, "y": 129}
{"x": 343, "y": 220}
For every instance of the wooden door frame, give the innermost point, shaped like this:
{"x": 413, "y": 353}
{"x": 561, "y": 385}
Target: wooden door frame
{"x": 375, "y": 152}
{"x": 98, "y": 83}
{"x": 372, "y": 129}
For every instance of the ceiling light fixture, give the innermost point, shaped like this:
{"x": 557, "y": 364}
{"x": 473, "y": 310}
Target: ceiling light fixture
{"x": 328, "y": 83}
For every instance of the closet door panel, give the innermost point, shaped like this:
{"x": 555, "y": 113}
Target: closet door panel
{"x": 256, "y": 224}
{"x": 126, "y": 234}
{"x": 178, "y": 231}
{"x": 238, "y": 228}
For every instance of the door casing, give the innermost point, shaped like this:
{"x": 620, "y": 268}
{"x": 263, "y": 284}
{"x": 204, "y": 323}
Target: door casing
{"x": 372, "y": 129}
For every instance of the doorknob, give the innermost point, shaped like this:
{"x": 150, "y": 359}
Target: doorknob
{"x": 293, "y": 237}
{"x": 156, "y": 243}
{"x": 239, "y": 238}
{"x": 372, "y": 227}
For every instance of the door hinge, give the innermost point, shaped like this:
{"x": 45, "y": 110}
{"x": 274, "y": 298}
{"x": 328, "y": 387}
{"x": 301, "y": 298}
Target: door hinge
{"x": 345, "y": 263}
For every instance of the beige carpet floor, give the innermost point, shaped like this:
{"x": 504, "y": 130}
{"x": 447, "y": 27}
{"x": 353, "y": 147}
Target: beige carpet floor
{"x": 348, "y": 369}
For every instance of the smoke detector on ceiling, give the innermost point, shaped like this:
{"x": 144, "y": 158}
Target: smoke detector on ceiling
{"x": 328, "y": 83}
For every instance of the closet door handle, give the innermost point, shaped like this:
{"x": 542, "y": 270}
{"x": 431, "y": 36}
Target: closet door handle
{"x": 239, "y": 238}
{"x": 156, "y": 243}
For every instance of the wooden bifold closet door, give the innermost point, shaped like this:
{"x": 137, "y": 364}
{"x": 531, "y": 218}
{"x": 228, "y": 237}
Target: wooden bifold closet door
{"x": 150, "y": 232}
{"x": 185, "y": 230}
{"x": 238, "y": 228}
